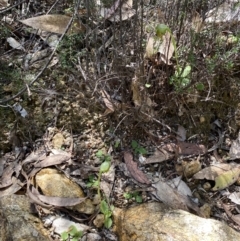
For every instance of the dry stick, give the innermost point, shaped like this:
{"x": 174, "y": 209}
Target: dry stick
{"x": 11, "y": 7}
{"x": 46, "y": 65}
{"x": 159, "y": 122}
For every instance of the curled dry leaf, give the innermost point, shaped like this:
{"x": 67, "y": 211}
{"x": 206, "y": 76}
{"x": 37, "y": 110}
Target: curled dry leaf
{"x": 6, "y": 179}
{"x": 108, "y": 102}
{"x": 164, "y": 46}
{"x": 235, "y": 218}
{"x": 53, "y": 160}
{"x": 235, "y": 197}
{"x": 16, "y": 185}
{"x": 133, "y": 169}
{"x": 181, "y": 186}
{"x": 234, "y": 152}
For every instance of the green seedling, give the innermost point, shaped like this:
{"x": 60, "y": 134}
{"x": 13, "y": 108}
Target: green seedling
{"x": 133, "y": 195}
{"x": 106, "y": 210}
{"x": 181, "y": 77}
{"x": 117, "y": 143}
{"x": 72, "y": 233}
{"x": 138, "y": 149}
{"x": 92, "y": 182}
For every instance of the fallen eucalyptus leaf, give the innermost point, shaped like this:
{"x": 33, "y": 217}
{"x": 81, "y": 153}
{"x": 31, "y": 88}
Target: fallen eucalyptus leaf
{"x": 53, "y": 23}
{"x": 226, "y": 179}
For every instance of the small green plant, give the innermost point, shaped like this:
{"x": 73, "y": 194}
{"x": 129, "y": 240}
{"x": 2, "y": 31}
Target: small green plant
{"x": 133, "y": 195}
{"x": 68, "y": 50}
{"x": 105, "y": 208}
{"x": 181, "y": 78}
{"x": 71, "y": 233}
{"x": 92, "y": 182}
{"x": 138, "y": 149}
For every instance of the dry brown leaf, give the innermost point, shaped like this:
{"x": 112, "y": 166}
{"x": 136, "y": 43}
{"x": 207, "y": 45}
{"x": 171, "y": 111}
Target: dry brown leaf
{"x": 163, "y": 46}
{"x": 16, "y": 185}
{"x": 159, "y": 156}
{"x": 235, "y": 218}
{"x": 52, "y": 160}
{"x": 115, "y": 15}
{"x": 181, "y": 133}
{"x": 3, "y": 3}
{"x": 186, "y": 148}
{"x": 107, "y": 181}
{"x": 197, "y": 22}
{"x": 60, "y": 201}
{"x": 53, "y": 23}
{"x": 226, "y": 179}
{"x": 137, "y": 99}
{"x": 210, "y": 173}
{"x": 107, "y": 101}
{"x": 173, "y": 198}
{"x": 234, "y": 152}
{"x": 6, "y": 179}
{"x": 32, "y": 195}
{"x": 133, "y": 169}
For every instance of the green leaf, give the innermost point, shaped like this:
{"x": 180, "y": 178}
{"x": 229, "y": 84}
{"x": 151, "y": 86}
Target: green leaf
{"x": 72, "y": 230}
{"x": 104, "y": 207}
{"x": 108, "y": 158}
{"x": 111, "y": 207}
{"x": 95, "y": 184}
{"x": 99, "y": 154}
{"x": 127, "y": 195}
{"x": 116, "y": 145}
{"x": 108, "y": 223}
{"x": 134, "y": 144}
{"x": 138, "y": 199}
{"x": 200, "y": 86}
{"x": 186, "y": 71}
{"x": 161, "y": 30}
{"x": 75, "y": 239}
{"x": 141, "y": 150}
{"x": 148, "y": 85}
{"x": 226, "y": 179}
{"x": 79, "y": 234}
{"x": 105, "y": 166}
{"x": 64, "y": 236}
{"x": 108, "y": 213}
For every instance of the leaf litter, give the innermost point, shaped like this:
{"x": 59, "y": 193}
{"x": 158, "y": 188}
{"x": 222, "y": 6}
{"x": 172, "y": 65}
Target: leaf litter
{"x": 166, "y": 151}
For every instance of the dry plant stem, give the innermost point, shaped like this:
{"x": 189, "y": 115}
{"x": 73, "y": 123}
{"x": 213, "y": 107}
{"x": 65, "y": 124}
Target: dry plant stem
{"x": 52, "y": 7}
{"x": 48, "y": 62}
{"x": 119, "y": 123}
{"x": 81, "y": 70}
{"x": 11, "y": 7}
{"x": 159, "y": 122}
